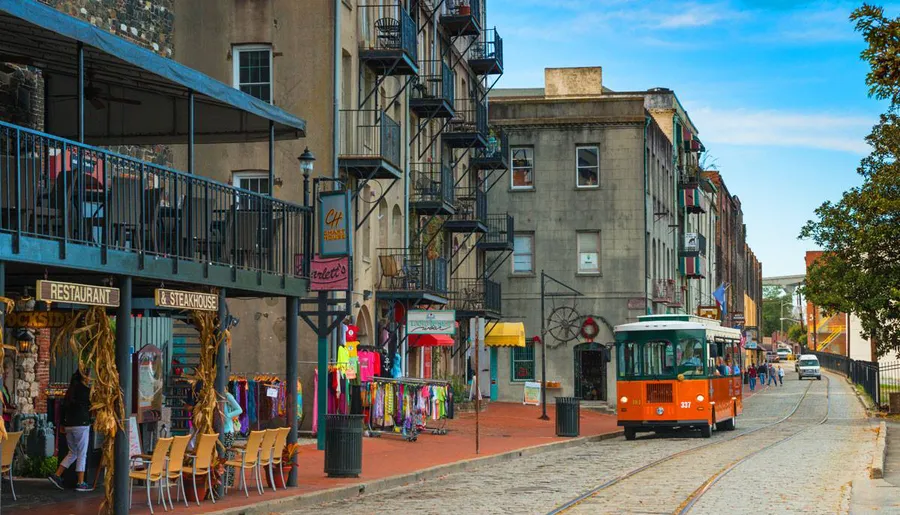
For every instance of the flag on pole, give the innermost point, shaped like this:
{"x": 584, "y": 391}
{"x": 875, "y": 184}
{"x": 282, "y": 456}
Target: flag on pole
{"x": 719, "y": 295}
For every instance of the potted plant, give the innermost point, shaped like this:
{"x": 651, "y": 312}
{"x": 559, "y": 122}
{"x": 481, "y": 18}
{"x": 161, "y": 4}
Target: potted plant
{"x": 217, "y": 471}
{"x": 434, "y": 234}
{"x": 287, "y": 458}
{"x": 463, "y": 8}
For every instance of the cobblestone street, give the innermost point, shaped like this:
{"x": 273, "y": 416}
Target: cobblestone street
{"x": 824, "y": 457}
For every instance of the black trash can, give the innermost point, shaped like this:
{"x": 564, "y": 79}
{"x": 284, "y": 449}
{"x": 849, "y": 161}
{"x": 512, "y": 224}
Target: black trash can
{"x": 343, "y": 445}
{"x": 568, "y": 416}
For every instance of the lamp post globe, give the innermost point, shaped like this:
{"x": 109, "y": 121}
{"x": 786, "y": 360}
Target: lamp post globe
{"x": 306, "y": 162}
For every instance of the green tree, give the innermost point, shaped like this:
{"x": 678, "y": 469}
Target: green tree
{"x": 860, "y": 270}
{"x": 796, "y": 333}
{"x": 775, "y": 301}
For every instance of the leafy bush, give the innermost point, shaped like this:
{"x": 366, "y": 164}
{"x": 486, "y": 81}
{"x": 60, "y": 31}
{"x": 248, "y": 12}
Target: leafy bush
{"x": 34, "y": 466}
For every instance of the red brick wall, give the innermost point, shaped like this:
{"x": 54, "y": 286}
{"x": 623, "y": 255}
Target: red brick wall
{"x": 42, "y": 368}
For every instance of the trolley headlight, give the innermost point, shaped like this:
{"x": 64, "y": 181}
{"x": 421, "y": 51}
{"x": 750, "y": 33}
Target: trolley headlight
{"x": 700, "y": 398}
{"x": 624, "y": 400}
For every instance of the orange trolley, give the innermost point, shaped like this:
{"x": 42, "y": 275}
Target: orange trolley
{"x": 678, "y": 372}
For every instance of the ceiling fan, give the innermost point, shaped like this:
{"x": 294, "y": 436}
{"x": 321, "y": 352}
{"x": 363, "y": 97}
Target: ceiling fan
{"x": 96, "y": 96}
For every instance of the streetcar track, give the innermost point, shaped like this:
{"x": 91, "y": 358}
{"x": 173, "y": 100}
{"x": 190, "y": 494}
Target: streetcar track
{"x": 689, "y": 503}
{"x": 593, "y": 492}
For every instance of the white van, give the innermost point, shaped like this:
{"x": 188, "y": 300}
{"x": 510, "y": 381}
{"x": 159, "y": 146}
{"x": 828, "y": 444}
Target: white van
{"x": 808, "y": 366}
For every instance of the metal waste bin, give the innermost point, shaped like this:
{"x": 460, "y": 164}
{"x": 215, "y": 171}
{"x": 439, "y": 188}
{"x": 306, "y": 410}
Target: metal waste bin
{"x": 343, "y": 445}
{"x": 568, "y": 416}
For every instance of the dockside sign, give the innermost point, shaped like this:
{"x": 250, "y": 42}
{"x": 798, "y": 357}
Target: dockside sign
{"x": 177, "y": 299}
{"x": 72, "y": 293}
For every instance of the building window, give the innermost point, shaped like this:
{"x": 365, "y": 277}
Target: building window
{"x": 588, "y": 163}
{"x": 257, "y": 182}
{"x": 522, "y": 168}
{"x": 588, "y": 252}
{"x": 523, "y": 254}
{"x": 253, "y": 70}
{"x": 523, "y": 362}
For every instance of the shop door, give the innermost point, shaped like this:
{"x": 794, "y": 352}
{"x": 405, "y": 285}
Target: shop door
{"x": 494, "y": 373}
{"x": 591, "y": 361}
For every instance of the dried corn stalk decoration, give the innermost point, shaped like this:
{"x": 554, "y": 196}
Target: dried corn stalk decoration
{"x": 10, "y": 305}
{"x": 91, "y": 339}
{"x": 205, "y": 406}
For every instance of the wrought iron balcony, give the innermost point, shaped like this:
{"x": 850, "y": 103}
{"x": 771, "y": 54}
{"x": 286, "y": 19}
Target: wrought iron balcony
{"x": 471, "y": 211}
{"x": 387, "y": 40}
{"x": 693, "y": 267}
{"x": 494, "y": 156}
{"x": 78, "y": 199}
{"x": 461, "y": 17}
{"x": 406, "y": 274}
{"x": 500, "y": 233}
{"x": 486, "y": 55}
{"x": 370, "y": 144}
{"x": 433, "y": 92}
{"x": 475, "y": 297}
{"x": 432, "y": 188}
{"x": 469, "y": 126}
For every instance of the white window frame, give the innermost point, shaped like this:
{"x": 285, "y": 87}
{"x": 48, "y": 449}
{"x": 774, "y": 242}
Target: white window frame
{"x": 530, "y": 236}
{"x": 578, "y": 168}
{"x": 237, "y": 177}
{"x": 236, "y": 50}
{"x": 579, "y": 252}
{"x": 512, "y": 168}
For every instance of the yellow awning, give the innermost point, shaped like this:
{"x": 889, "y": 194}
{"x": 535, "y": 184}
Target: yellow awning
{"x": 505, "y": 334}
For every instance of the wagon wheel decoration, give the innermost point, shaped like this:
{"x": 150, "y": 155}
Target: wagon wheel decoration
{"x": 564, "y": 325}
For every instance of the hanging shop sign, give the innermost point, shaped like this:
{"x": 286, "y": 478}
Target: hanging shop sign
{"x": 329, "y": 274}
{"x": 334, "y": 224}
{"x": 711, "y": 312}
{"x": 420, "y": 321}
{"x": 177, "y": 299}
{"x": 38, "y": 319}
{"x": 738, "y": 317}
{"x": 73, "y": 293}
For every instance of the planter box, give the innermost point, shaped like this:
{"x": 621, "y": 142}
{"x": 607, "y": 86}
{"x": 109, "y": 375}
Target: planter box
{"x": 189, "y": 490}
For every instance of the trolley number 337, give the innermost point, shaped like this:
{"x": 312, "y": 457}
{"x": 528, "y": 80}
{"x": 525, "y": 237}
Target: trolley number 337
{"x": 685, "y": 404}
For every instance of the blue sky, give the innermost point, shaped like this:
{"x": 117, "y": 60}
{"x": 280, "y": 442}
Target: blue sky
{"x": 776, "y": 89}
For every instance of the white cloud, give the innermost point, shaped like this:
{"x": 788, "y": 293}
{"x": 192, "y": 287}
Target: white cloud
{"x": 746, "y": 127}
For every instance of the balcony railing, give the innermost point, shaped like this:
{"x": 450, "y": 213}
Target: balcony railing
{"x": 57, "y": 189}
{"x": 471, "y": 117}
{"x": 387, "y": 27}
{"x": 436, "y": 81}
{"x": 495, "y": 156}
{"x": 500, "y": 231}
{"x": 471, "y": 205}
{"x": 370, "y": 133}
{"x": 431, "y": 182}
{"x": 486, "y": 55}
{"x": 478, "y": 295}
{"x": 461, "y": 17}
{"x": 411, "y": 270}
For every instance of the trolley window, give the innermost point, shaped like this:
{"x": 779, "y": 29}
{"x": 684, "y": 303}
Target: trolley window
{"x": 629, "y": 363}
{"x": 691, "y": 362}
{"x": 659, "y": 358}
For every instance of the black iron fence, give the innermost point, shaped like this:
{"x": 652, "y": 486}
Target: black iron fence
{"x": 471, "y": 205}
{"x": 435, "y": 81}
{"x": 497, "y": 146}
{"x": 489, "y": 46}
{"x": 462, "y": 8}
{"x": 370, "y": 133}
{"x": 387, "y": 26}
{"x": 501, "y": 230}
{"x": 58, "y": 189}
{"x": 411, "y": 270}
{"x": 877, "y": 383}
{"x": 475, "y": 295}
{"x": 470, "y": 116}
{"x": 431, "y": 182}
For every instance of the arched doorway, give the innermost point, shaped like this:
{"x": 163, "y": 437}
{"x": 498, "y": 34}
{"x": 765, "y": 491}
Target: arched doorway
{"x": 364, "y": 322}
{"x": 591, "y": 360}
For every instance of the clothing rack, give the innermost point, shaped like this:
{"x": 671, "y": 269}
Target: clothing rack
{"x": 411, "y": 433}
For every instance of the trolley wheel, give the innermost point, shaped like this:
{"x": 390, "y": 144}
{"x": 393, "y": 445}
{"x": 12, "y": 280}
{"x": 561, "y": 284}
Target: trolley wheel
{"x": 706, "y": 431}
{"x": 630, "y": 433}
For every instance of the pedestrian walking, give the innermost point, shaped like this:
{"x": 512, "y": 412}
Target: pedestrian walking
{"x": 752, "y": 373}
{"x": 76, "y": 408}
{"x": 761, "y": 371}
{"x": 780, "y": 376}
{"x": 771, "y": 373}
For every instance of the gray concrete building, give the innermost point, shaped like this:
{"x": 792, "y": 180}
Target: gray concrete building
{"x": 594, "y": 184}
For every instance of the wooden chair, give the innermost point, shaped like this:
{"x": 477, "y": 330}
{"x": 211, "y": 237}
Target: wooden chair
{"x": 8, "y": 457}
{"x": 174, "y": 466}
{"x": 266, "y": 450}
{"x": 278, "y": 451}
{"x": 249, "y": 460}
{"x": 153, "y": 472}
{"x": 202, "y": 463}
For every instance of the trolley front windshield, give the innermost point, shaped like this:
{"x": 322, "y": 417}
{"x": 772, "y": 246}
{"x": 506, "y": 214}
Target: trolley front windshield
{"x": 661, "y": 354}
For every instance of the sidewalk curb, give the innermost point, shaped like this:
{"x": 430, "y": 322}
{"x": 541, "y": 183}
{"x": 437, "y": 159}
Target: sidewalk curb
{"x": 341, "y": 493}
{"x": 877, "y": 471}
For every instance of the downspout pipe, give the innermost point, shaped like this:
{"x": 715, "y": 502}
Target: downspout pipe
{"x": 647, "y": 120}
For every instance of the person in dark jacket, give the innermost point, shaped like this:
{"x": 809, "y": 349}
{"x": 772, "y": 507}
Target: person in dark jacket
{"x": 77, "y": 426}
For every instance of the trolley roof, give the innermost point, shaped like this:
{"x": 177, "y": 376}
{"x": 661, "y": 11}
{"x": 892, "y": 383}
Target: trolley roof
{"x": 679, "y": 322}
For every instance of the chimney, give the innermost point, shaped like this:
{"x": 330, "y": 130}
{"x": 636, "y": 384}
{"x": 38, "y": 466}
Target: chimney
{"x": 573, "y": 82}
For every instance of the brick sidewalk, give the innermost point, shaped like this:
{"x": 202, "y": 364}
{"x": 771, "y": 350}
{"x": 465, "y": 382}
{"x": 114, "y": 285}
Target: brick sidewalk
{"x": 504, "y": 428}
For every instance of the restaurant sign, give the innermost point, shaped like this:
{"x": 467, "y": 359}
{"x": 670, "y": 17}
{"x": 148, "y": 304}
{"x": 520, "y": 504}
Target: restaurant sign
{"x": 334, "y": 224}
{"x": 711, "y": 312}
{"x": 37, "y": 319}
{"x": 72, "y": 293}
{"x": 329, "y": 274}
{"x": 419, "y": 321}
{"x": 177, "y": 299}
